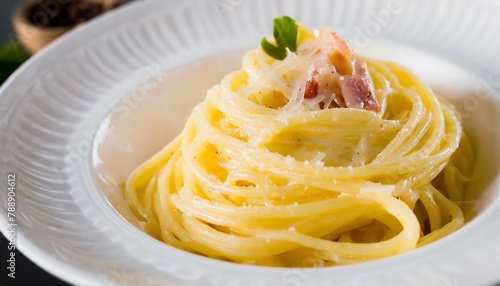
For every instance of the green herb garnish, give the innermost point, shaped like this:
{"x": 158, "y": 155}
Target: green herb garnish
{"x": 285, "y": 33}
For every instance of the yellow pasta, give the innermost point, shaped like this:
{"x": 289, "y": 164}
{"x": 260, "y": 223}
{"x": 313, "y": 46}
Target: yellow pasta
{"x": 271, "y": 169}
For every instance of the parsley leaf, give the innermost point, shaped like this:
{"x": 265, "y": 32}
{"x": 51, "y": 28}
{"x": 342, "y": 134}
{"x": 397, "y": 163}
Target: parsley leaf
{"x": 285, "y": 33}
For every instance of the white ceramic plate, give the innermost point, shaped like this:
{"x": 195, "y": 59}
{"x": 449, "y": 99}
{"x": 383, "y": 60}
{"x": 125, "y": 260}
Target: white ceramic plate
{"x": 79, "y": 116}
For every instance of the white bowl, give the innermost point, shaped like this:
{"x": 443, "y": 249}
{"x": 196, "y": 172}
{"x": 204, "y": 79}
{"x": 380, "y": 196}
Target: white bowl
{"x": 52, "y": 110}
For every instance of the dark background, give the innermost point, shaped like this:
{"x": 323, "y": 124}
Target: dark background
{"x": 5, "y": 22}
{"x": 27, "y": 273}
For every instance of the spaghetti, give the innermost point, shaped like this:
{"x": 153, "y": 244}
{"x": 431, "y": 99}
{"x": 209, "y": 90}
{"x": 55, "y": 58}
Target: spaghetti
{"x": 322, "y": 158}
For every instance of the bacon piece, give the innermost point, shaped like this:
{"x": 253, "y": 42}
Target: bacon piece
{"x": 357, "y": 89}
{"x": 312, "y": 86}
{"x": 336, "y": 77}
{"x": 341, "y": 55}
{"x": 357, "y": 93}
{"x": 354, "y": 91}
{"x": 343, "y": 47}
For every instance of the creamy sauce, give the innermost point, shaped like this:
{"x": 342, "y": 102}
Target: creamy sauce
{"x": 153, "y": 114}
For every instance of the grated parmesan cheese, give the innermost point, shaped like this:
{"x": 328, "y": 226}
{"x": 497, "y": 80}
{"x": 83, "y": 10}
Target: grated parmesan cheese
{"x": 317, "y": 159}
{"x": 292, "y": 106}
{"x": 336, "y": 258}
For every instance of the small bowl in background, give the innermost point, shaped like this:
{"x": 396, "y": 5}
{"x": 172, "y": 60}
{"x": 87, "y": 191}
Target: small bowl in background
{"x": 39, "y": 22}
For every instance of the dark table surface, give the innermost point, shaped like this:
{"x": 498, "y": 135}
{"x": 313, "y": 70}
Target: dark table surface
{"x": 27, "y": 273}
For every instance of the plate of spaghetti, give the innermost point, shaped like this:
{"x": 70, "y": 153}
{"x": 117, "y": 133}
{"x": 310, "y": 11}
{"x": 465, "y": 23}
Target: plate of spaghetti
{"x": 261, "y": 143}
